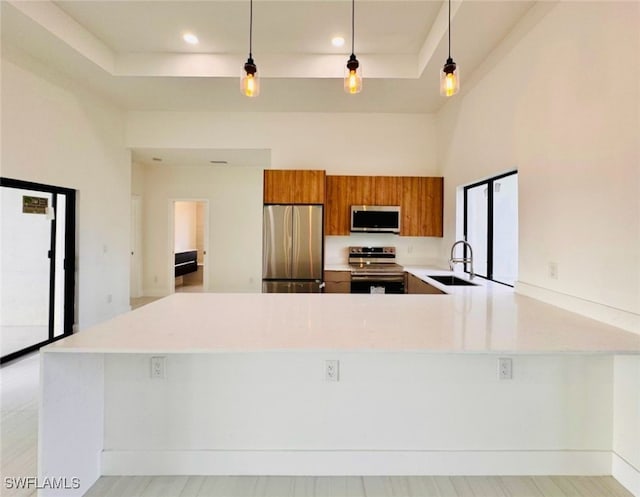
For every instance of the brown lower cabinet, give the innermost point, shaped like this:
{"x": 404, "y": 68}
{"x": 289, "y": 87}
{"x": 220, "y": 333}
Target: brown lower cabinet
{"x": 416, "y": 286}
{"x": 337, "y": 282}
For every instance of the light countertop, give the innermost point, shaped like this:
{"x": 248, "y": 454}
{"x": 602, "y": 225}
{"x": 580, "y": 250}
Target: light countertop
{"x": 489, "y": 318}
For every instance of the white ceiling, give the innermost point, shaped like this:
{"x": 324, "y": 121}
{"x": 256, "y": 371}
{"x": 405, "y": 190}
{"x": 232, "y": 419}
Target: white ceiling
{"x": 201, "y": 157}
{"x": 133, "y": 52}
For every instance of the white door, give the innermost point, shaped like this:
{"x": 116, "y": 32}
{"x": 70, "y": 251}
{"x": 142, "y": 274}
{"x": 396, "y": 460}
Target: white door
{"x": 135, "y": 284}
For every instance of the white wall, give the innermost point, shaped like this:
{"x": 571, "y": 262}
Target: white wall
{"x": 340, "y": 143}
{"x": 57, "y": 133}
{"x": 552, "y": 106}
{"x": 234, "y": 262}
{"x": 557, "y": 107}
{"x": 626, "y": 421}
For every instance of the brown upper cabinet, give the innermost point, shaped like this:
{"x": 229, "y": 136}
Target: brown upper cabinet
{"x": 422, "y": 199}
{"x": 419, "y": 197}
{"x": 292, "y": 186}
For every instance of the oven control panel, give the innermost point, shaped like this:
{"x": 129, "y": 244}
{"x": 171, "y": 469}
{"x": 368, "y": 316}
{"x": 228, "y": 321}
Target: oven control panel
{"x": 372, "y": 251}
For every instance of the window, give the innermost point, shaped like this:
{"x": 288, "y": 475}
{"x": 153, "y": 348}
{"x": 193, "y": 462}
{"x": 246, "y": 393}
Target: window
{"x": 491, "y": 227}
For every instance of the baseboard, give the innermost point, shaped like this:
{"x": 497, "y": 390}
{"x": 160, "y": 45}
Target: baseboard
{"x": 625, "y": 474}
{"x": 355, "y": 462}
{"x": 154, "y": 292}
{"x": 610, "y": 315}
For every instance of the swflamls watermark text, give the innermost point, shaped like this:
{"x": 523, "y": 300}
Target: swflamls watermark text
{"x": 33, "y": 482}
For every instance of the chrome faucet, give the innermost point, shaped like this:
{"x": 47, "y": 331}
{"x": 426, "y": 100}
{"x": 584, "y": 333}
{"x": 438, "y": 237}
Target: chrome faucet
{"x": 464, "y": 260}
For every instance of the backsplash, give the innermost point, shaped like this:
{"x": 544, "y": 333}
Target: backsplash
{"x": 409, "y": 250}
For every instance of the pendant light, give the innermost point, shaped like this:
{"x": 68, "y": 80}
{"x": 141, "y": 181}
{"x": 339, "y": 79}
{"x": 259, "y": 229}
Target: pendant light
{"x": 449, "y": 76}
{"x": 250, "y": 81}
{"x": 353, "y": 78}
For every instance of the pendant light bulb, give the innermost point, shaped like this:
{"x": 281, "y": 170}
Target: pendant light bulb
{"x": 249, "y": 80}
{"x": 353, "y": 75}
{"x": 449, "y": 80}
{"x": 449, "y": 75}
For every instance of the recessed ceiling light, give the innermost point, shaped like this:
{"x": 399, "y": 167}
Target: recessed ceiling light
{"x": 157, "y": 159}
{"x": 337, "y": 41}
{"x": 218, "y": 162}
{"x": 190, "y": 38}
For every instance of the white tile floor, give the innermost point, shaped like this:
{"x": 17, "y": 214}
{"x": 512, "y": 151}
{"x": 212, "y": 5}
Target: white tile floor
{"x": 19, "y": 425}
{"x": 19, "y": 382}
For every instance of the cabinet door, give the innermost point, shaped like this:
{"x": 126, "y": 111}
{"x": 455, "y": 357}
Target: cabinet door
{"x": 338, "y": 206}
{"x": 337, "y": 287}
{"x": 388, "y": 190}
{"x": 337, "y": 282}
{"x": 416, "y": 286}
{"x": 294, "y": 186}
{"x": 309, "y": 187}
{"x": 362, "y": 190}
{"x": 421, "y": 206}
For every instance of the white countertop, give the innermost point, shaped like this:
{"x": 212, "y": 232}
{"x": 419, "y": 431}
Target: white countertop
{"x": 489, "y": 318}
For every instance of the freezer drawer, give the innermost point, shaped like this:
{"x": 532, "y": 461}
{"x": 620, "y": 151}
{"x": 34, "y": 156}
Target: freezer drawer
{"x": 291, "y": 287}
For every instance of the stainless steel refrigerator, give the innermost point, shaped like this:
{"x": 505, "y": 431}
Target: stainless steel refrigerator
{"x": 292, "y": 249}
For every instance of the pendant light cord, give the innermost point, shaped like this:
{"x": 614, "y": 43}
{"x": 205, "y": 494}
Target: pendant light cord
{"x": 251, "y": 28}
{"x": 449, "y": 28}
{"x": 353, "y": 24}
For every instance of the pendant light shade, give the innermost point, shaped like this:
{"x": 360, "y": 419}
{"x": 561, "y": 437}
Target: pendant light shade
{"x": 449, "y": 80}
{"x": 353, "y": 74}
{"x": 449, "y": 75}
{"x": 250, "y": 80}
{"x": 353, "y": 77}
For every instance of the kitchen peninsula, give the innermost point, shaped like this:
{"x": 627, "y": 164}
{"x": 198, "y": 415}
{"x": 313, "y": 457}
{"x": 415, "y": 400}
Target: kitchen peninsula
{"x": 242, "y": 387}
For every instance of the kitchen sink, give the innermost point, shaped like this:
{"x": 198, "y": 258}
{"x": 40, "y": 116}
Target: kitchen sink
{"x": 450, "y": 280}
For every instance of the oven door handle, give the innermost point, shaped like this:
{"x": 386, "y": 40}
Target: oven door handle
{"x": 377, "y": 279}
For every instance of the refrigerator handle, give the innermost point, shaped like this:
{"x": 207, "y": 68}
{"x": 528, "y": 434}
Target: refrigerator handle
{"x": 295, "y": 233}
{"x": 289, "y": 245}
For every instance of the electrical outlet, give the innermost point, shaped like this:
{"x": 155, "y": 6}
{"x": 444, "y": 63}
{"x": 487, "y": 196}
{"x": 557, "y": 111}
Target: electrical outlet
{"x": 505, "y": 368}
{"x": 109, "y": 298}
{"x": 158, "y": 367}
{"x": 332, "y": 370}
{"x": 553, "y": 270}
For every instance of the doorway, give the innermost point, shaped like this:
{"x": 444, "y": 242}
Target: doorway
{"x": 37, "y": 256}
{"x": 190, "y": 226}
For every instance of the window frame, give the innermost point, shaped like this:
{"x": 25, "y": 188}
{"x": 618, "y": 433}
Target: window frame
{"x": 489, "y": 182}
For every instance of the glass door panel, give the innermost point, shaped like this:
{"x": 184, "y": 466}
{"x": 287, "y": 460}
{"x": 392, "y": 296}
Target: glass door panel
{"x": 26, "y": 268}
{"x": 476, "y": 227}
{"x": 60, "y": 205}
{"x": 505, "y": 229}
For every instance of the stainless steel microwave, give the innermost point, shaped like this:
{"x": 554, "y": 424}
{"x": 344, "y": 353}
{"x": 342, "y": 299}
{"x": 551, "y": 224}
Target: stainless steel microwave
{"x": 375, "y": 218}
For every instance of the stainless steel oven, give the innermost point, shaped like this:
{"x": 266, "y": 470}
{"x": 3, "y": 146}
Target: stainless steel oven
{"x": 374, "y": 270}
{"x": 377, "y": 283}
